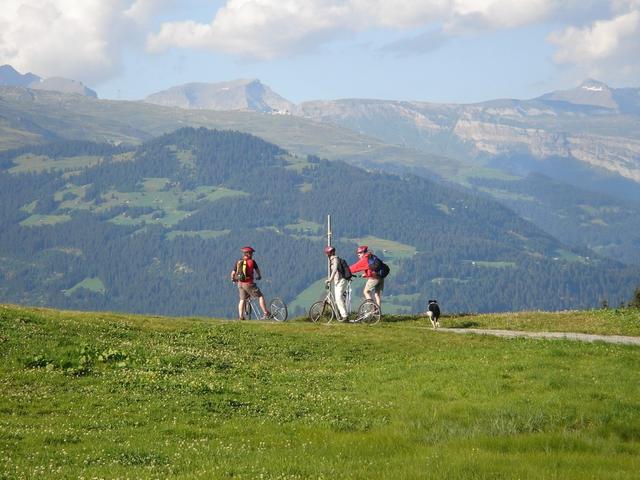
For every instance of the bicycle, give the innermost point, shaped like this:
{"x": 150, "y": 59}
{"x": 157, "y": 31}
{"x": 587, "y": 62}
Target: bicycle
{"x": 276, "y": 306}
{"x": 325, "y": 310}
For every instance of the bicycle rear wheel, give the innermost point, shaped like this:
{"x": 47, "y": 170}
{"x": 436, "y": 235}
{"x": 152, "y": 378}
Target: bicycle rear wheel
{"x": 248, "y": 309}
{"x": 369, "y": 312}
{"x": 278, "y": 309}
{"x": 321, "y": 312}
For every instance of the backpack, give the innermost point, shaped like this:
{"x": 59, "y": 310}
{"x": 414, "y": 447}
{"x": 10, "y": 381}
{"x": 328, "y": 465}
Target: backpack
{"x": 343, "y": 269}
{"x": 377, "y": 266}
{"x": 241, "y": 270}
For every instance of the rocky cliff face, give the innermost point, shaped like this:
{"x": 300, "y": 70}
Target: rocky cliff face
{"x": 618, "y": 155}
{"x": 589, "y": 124}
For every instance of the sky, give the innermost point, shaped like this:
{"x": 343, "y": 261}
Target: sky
{"x": 458, "y": 51}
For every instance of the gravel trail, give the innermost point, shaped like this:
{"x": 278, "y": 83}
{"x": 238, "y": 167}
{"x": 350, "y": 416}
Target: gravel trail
{"x": 582, "y": 337}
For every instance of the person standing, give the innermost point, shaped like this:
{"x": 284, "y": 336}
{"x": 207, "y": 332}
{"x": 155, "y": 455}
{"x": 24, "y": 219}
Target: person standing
{"x": 339, "y": 282}
{"x": 375, "y": 283}
{"x": 243, "y": 274}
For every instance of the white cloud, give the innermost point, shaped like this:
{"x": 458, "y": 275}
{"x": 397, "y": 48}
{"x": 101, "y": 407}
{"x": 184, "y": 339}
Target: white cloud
{"x": 602, "y": 39}
{"x": 624, "y": 6}
{"x": 607, "y": 49}
{"x": 269, "y": 28}
{"x": 143, "y": 10}
{"x": 492, "y": 14}
{"x": 257, "y": 28}
{"x": 82, "y": 40}
{"x": 85, "y": 39}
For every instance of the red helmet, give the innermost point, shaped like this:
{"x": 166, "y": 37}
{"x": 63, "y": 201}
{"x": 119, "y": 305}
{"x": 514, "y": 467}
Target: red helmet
{"x": 362, "y": 249}
{"x": 247, "y": 250}
{"x": 329, "y": 250}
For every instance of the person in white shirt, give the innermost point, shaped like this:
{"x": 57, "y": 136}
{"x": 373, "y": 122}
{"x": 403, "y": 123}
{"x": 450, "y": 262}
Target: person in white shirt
{"x": 339, "y": 282}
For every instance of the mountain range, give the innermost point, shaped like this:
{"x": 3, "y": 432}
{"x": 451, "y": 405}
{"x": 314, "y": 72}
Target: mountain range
{"x": 582, "y": 141}
{"x": 592, "y": 130}
{"x": 10, "y": 77}
{"x": 587, "y": 136}
{"x": 582, "y": 205}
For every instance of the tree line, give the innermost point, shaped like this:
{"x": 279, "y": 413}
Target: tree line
{"x": 144, "y": 269}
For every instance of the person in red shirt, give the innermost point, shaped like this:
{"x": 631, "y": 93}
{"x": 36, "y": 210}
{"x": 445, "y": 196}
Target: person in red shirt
{"x": 374, "y": 283}
{"x": 243, "y": 275}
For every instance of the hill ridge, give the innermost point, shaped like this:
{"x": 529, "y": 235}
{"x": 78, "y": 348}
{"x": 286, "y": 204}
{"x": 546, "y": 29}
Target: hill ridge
{"x": 156, "y": 228}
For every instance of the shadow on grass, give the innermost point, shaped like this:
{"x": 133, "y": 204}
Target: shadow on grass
{"x": 401, "y": 318}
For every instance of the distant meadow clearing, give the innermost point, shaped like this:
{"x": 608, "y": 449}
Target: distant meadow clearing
{"x": 101, "y": 395}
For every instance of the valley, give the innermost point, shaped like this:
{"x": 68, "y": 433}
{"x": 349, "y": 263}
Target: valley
{"x": 155, "y": 228}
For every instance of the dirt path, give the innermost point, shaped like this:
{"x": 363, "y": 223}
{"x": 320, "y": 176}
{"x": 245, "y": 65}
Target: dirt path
{"x": 582, "y": 337}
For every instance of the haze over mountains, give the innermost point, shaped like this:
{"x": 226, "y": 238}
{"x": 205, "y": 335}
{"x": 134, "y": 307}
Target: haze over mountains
{"x": 588, "y": 136}
{"x": 593, "y": 128}
{"x": 551, "y": 154}
{"x": 567, "y": 161}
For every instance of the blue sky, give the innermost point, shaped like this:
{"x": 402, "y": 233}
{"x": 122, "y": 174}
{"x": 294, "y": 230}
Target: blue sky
{"x": 430, "y": 50}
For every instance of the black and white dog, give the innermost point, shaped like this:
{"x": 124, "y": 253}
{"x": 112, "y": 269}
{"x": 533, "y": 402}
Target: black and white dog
{"x": 433, "y": 312}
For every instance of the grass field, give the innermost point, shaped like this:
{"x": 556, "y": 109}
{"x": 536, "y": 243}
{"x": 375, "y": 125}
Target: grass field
{"x": 39, "y": 220}
{"x": 101, "y": 395}
{"x": 40, "y": 163}
{"x": 91, "y": 284}
{"x": 611, "y": 321}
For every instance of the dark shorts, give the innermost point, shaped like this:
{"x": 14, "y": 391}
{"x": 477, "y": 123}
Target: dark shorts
{"x": 247, "y": 290}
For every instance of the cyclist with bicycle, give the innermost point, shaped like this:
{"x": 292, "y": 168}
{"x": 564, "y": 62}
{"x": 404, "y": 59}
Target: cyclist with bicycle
{"x": 374, "y": 283}
{"x": 338, "y": 280}
{"x": 243, "y": 275}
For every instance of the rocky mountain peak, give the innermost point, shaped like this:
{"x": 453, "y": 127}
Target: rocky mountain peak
{"x": 243, "y": 94}
{"x": 10, "y": 77}
{"x": 589, "y": 93}
{"x": 595, "y": 86}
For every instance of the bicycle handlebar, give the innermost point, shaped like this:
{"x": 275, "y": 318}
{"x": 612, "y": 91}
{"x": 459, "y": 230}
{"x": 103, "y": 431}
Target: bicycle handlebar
{"x": 327, "y": 282}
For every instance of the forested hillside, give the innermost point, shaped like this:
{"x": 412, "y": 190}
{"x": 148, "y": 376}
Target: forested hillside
{"x": 597, "y": 221}
{"x": 579, "y": 219}
{"x": 156, "y": 228}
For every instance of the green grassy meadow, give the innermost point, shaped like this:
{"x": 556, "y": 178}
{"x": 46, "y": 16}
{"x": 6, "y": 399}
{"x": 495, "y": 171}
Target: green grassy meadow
{"x": 105, "y": 395}
{"x": 609, "y": 321}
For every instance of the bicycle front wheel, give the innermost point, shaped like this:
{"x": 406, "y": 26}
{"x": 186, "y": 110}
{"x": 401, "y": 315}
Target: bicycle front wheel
{"x": 369, "y": 312}
{"x": 321, "y": 312}
{"x": 278, "y": 309}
